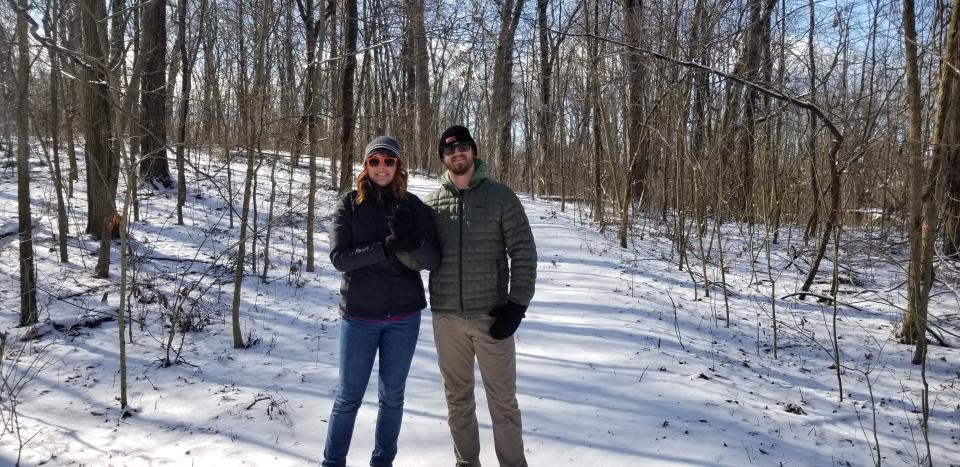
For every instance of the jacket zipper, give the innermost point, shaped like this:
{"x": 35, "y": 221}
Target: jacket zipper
{"x": 460, "y": 273}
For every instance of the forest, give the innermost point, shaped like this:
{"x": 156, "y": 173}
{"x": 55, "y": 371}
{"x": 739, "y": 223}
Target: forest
{"x": 176, "y": 163}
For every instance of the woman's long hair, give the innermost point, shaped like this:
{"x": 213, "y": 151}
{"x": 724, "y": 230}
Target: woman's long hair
{"x": 398, "y": 185}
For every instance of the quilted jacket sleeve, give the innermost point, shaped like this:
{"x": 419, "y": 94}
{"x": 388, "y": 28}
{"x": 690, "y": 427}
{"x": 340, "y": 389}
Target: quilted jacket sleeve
{"x": 521, "y": 248}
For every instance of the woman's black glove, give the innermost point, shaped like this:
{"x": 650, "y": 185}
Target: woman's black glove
{"x": 408, "y": 242}
{"x": 400, "y": 221}
{"x": 508, "y": 319}
{"x": 402, "y": 236}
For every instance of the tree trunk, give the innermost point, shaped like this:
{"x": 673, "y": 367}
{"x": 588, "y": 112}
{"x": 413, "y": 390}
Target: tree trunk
{"x": 636, "y": 156}
{"x": 273, "y": 198}
{"x": 28, "y": 276}
{"x": 500, "y": 118}
{"x": 423, "y": 122}
{"x": 252, "y": 125}
{"x": 347, "y": 110}
{"x": 596, "y": 119}
{"x": 814, "y": 219}
{"x": 758, "y": 40}
{"x": 74, "y": 42}
{"x": 924, "y": 219}
{"x": 950, "y": 142}
{"x": 131, "y": 113}
{"x": 124, "y": 267}
{"x": 311, "y": 98}
{"x": 914, "y": 321}
{"x": 103, "y": 167}
{"x": 334, "y": 88}
{"x": 544, "y": 110}
{"x": 51, "y": 16}
{"x": 154, "y": 167}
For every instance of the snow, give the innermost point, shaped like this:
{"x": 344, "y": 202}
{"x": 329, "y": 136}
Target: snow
{"x": 620, "y": 361}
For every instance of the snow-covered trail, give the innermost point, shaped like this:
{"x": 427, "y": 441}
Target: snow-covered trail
{"x": 619, "y": 364}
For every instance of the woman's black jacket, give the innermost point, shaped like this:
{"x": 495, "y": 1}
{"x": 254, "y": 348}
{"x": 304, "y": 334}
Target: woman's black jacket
{"x": 376, "y": 283}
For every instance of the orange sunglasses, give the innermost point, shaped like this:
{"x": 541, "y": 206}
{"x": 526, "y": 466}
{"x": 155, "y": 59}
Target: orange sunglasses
{"x": 375, "y": 161}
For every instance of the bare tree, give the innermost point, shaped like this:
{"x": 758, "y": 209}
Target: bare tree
{"x": 347, "y": 110}
{"x": 103, "y": 165}
{"x": 544, "y": 110}
{"x": 154, "y": 167}
{"x": 188, "y": 57}
{"x": 423, "y": 121}
{"x": 314, "y": 28}
{"x": 949, "y": 142}
{"x": 925, "y": 182}
{"x": 28, "y": 276}
{"x": 253, "y": 95}
{"x": 635, "y": 140}
{"x": 50, "y": 17}
{"x": 915, "y": 320}
{"x": 501, "y": 104}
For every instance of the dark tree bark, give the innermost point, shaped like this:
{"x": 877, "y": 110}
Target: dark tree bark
{"x": 28, "y": 276}
{"x": 593, "y": 97}
{"x": 423, "y": 122}
{"x": 634, "y": 144}
{"x": 154, "y": 167}
{"x": 754, "y": 54}
{"x": 924, "y": 182}
{"x": 914, "y": 322}
{"x": 50, "y": 18}
{"x": 950, "y": 142}
{"x": 188, "y": 56}
{"x": 544, "y": 109}
{"x": 347, "y": 110}
{"x": 813, "y": 221}
{"x": 311, "y": 100}
{"x": 103, "y": 163}
{"x": 501, "y": 102}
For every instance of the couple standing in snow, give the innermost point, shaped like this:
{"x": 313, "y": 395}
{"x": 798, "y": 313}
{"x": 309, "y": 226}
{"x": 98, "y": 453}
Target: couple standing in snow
{"x": 463, "y": 233}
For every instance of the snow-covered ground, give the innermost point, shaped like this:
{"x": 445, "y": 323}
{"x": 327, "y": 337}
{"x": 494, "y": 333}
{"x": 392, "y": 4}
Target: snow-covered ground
{"x": 621, "y": 362}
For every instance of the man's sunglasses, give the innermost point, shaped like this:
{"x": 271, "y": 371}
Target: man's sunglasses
{"x": 449, "y": 149}
{"x": 374, "y": 161}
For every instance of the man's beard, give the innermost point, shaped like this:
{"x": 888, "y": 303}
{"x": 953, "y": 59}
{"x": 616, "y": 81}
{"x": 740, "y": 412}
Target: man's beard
{"x": 459, "y": 168}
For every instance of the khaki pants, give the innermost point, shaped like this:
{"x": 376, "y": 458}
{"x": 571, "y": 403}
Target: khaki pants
{"x": 461, "y": 341}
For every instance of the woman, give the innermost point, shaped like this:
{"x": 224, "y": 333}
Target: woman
{"x": 380, "y": 239}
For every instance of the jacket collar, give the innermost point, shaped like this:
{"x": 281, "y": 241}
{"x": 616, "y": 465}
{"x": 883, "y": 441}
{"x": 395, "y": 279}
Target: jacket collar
{"x": 378, "y": 193}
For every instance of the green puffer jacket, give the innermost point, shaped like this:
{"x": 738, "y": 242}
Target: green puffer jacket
{"x": 478, "y": 228}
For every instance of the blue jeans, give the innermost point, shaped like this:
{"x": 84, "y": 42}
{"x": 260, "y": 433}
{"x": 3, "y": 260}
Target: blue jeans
{"x": 359, "y": 343}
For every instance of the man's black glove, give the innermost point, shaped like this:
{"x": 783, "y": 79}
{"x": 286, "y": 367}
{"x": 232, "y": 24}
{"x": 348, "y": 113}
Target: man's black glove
{"x": 408, "y": 242}
{"x": 508, "y": 319}
{"x": 400, "y": 221}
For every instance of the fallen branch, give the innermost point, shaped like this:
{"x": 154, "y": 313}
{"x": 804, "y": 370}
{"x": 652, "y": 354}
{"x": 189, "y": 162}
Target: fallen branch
{"x": 821, "y": 297}
{"x": 258, "y": 399}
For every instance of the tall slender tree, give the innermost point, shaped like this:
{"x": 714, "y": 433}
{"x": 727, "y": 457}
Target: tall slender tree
{"x": 254, "y": 96}
{"x": 50, "y": 17}
{"x": 914, "y": 327}
{"x": 188, "y": 57}
{"x": 28, "y": 276}
{"x": 635, "y": 140}
{"x": 423, "y": 122}
{"x": 347, "y": 110}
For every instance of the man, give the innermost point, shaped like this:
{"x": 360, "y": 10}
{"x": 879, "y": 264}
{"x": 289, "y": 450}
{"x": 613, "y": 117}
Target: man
{"x": 477, "y": 298}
